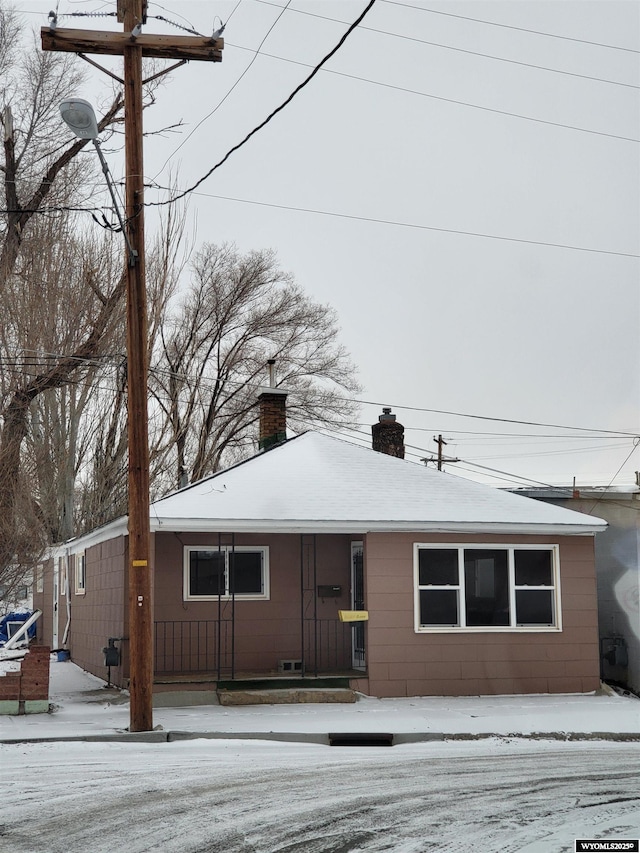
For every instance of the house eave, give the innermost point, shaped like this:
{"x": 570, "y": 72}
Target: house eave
{"x": 359, "y": 527}
{"x": 111, "y": 530}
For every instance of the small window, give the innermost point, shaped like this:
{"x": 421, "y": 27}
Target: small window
{"x": 486, "y": 588}
{"x": 39, "y": 579}
{"x": 80, "y": 562}
{"x": 226, "y": 572}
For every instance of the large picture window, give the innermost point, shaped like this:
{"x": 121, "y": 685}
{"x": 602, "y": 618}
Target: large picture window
{"x": 486, "y": 587}
{"x": 226, "y": 572}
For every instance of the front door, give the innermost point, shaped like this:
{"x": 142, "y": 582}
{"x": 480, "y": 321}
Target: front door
{"x": 358, "y": 657}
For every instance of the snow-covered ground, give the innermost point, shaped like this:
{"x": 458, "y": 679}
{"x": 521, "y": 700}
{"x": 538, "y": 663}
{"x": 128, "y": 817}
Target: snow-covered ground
{"x": 501, "y": 794}
{"x": 84, "y": 707}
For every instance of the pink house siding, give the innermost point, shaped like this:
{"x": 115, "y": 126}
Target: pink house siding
{"x": 402, "y": 662}
{"x": 100, "y": 612}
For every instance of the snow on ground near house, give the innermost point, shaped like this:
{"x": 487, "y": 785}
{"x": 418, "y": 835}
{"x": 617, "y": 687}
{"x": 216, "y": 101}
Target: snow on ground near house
{"x": 498, "y": 795}
{"x": 84, "y": 707}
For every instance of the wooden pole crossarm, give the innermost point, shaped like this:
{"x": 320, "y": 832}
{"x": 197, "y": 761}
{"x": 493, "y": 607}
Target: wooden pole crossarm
{"x": 113, "y": 44}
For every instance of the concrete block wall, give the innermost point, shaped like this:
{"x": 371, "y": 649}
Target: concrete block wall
{"x": 27, "y": 691}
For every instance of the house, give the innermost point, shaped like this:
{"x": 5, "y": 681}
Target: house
{"x": 468, "y": 589}
{"x": 617, "y": 555}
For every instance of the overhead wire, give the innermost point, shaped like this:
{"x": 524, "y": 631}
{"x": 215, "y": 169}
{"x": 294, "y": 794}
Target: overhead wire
{"x": 461, "y": 463}
{"x": 274, "y": 112}
{"x": 512, "y": 477}
{"x": 397, "y": 406}
{"x": 458, "y": 102}
{"x": 489, "y": 418}
{"x": 224, "y": 98}
{"x": 510, "y": 26}
{"x": 398, "y": 224}
{"x": 458, "y": 49}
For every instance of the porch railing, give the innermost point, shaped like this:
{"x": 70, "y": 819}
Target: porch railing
{"x": 327, "y": 646}
{"x": 187, "y": 647}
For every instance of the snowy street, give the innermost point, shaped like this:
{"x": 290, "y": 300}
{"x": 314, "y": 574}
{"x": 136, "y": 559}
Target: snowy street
{"x": 204, "y": 796}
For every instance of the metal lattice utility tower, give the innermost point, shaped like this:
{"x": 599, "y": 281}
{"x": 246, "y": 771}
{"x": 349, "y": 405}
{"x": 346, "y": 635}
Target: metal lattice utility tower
{"x": 132, "y": 45}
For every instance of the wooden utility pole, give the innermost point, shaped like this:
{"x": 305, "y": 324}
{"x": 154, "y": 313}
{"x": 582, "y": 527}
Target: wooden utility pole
{"x": 440, "y": 458}
{"x": 132, "y": 46}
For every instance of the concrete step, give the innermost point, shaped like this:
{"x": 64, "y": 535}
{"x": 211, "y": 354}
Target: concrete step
{"x": 286, "y": 696}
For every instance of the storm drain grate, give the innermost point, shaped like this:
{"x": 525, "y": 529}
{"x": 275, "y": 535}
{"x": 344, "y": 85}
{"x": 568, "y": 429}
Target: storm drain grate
{"x": 360, "y": 739}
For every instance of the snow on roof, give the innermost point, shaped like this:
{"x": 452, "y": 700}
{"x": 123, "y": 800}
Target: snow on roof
{"x": 315, "y": 483}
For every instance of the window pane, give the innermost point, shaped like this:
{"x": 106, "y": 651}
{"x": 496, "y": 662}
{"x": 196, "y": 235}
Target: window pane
{"x": 245, "y": 572}
{"x": 534, "y": 607}
{"x": 487, "y": 587}
{"x": 439, "y": 607}
{"x": 533, "y": 568}
{"x": 206, "y": 573}
{"x": 438, "y": 567}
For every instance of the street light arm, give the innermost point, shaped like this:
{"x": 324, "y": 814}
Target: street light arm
{"x": 133, "y": 255}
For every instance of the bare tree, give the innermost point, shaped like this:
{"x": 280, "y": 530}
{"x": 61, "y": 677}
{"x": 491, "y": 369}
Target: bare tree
{"x": 48, "y": 338}
{"x": 101, "y": 471}
{"x": 239, "y": 311}
{"x": 62, "y": 363}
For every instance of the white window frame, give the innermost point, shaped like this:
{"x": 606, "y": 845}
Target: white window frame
{"x": 80, "y": 572}
{"x": 513, "y": 627}
{"x": 227, "y": 596}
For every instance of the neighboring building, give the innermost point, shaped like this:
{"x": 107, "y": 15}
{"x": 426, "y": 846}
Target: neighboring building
{"x": 469, "y": 590}
{"x": 617, "y": 572}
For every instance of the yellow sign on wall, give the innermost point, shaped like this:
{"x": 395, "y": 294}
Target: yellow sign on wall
{"x": 353, "y": 615}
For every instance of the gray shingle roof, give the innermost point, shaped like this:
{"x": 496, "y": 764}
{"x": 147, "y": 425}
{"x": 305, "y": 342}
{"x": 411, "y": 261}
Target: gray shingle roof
{"x": 315, "y": 483}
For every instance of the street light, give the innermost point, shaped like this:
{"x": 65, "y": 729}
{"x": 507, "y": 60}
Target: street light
{"x": 78, "y": 114}
{"x": 80, "y": 117}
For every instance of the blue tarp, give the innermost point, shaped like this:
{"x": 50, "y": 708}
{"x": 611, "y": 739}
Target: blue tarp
{"x": 22, "y": 616}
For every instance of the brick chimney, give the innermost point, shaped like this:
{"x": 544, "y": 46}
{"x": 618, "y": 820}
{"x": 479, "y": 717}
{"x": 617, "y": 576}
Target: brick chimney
{"x": 273, "y": 412}
{"x": 388, "y": 435}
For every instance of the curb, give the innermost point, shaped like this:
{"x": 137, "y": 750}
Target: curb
{"x": 324, "y": 739}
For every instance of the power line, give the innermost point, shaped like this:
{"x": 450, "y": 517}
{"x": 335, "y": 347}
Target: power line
{"x": 399, "y": 406}
{"x": 458, "y": 102}
{"x": 500, "y": 436}
{"x": 421, "y": 451}
{"x": 374, "y": 83}
{"x": 278, "y": 109}
{"x": 335, "y": 214}
{"x": 36, "y": 355}
{"x": 222, "y": 100}
{"x": 496, "y": 419}
{"x": 402, "y": 224}
{"x": 561, "y": 452}
{"x": 636, "y": 443}
{"x": 459, "y": 49}
{"x": 511, "y": 27}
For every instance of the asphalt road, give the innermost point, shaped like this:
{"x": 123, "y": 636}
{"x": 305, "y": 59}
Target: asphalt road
{"x": 255, "y": 797}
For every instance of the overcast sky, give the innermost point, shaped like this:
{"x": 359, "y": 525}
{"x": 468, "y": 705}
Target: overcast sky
{"x": 460, "y": 182}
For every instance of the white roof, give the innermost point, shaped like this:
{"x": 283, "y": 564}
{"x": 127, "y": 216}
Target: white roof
{"x": 315, "y": 483}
